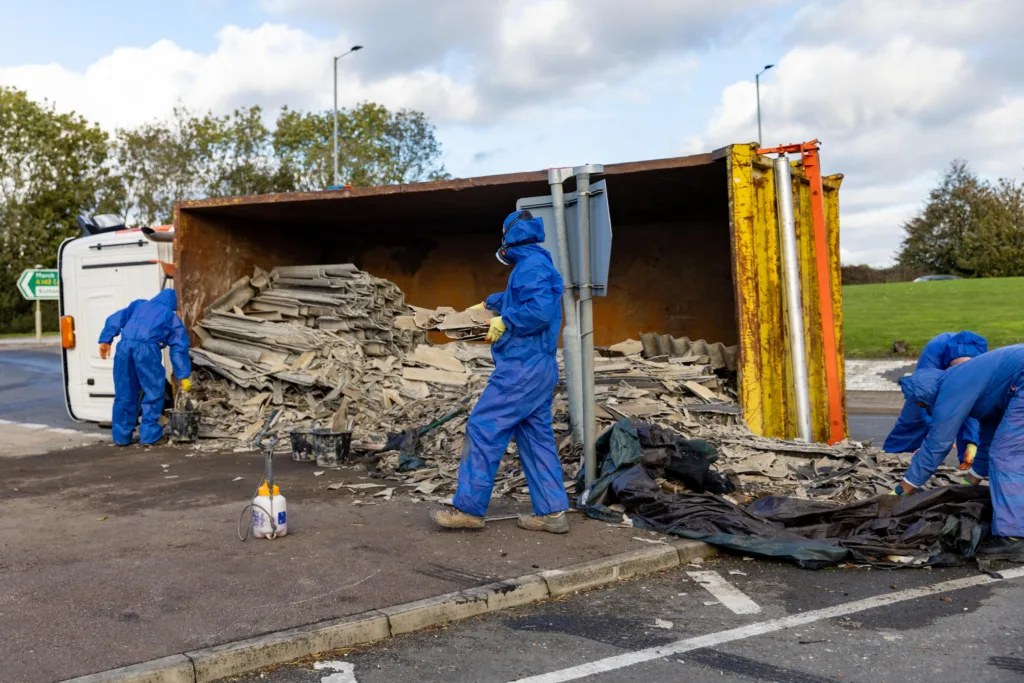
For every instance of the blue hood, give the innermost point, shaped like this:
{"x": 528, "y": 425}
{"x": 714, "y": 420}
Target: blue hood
{"x": 922, "y": 386}
{"x": 965, "y": 345}
{"x": 524, "y": 233}
{"x": 168, "y": 298}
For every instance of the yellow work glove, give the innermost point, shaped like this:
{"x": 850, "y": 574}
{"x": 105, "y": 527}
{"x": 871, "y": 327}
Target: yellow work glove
{"x": 969, "y": 453}
{"x": 496, "y": 329}
{"x": 478, "y": 306}
{"x": 186, "y": 385}
{"x": 104, "y": 351}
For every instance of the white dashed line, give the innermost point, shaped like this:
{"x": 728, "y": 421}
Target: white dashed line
{"x": 760, "y": 628}
{"x": 728, "y": 594}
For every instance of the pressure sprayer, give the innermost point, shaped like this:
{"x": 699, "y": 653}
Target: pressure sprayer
{"x": 269, "y": 509}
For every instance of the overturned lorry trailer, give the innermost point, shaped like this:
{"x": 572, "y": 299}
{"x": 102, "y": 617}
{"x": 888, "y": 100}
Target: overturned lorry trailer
{"x": 697, "y": 253}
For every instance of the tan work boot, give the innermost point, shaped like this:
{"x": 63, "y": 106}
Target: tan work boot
{"x": 557, "y": 523}
{"x": 453, "y": 518}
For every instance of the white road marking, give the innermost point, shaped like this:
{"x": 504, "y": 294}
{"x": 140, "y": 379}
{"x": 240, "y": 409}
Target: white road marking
{"x": 346, "y": 671}
{"x": 728, "y": 594}
{"x": 760, "y": 628}
{"x": 54, "y": 430}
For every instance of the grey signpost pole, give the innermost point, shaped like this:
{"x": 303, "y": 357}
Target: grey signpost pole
{"x": 583, "y": 174}
{"x": 570, "y": 333}
{"x": 39, "y": 316}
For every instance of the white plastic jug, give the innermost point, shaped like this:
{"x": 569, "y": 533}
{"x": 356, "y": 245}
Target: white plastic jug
{"x": 265, "y": 504}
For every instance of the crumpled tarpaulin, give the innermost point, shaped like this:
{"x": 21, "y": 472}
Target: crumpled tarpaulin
{"x": 938, "y": 527}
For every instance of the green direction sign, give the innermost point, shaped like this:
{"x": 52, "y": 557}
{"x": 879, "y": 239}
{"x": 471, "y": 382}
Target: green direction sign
{"x": 39, "y": 284}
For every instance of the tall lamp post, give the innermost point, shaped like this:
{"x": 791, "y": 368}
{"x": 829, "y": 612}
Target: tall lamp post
{"x": 334, "y": 144}
{"x": 757, "y": 86}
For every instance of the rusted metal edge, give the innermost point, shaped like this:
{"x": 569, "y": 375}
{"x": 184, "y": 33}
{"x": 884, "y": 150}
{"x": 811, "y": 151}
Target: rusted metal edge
{"x": 455, "y": 184}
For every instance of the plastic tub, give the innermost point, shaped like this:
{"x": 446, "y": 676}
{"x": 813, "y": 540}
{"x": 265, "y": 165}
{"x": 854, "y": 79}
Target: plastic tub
{"x": 330, "y": 448}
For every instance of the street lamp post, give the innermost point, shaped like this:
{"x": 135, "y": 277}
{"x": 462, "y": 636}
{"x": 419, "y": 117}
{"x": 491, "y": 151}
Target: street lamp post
{"x": 757, "y": 86}
{"x": 334, "y": 139}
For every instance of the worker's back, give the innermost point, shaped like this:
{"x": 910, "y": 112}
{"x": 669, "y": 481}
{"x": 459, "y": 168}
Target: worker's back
{"x": 151, "y": 320}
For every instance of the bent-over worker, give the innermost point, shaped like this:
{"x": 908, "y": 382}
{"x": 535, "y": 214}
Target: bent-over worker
{"x": 941, "y": 353}
{"x": 145, "y": 327}
{"x": 990, "y": 389}
{"x": 517, "y": 400}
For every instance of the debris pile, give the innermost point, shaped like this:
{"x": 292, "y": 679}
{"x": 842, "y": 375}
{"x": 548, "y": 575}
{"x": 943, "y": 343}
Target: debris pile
{"x": 312, "y": 340}
{"x": 333, "y": 345}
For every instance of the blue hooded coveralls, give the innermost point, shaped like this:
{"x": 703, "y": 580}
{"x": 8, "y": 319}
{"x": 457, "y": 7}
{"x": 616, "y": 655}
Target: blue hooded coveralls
{"x": 989, "y": 388}
{"x": 146, "y": 327}
{"x": 517, "y": 400}
{"x": 913, "y": 423}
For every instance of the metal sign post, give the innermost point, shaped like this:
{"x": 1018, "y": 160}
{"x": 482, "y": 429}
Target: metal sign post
{"x": 38, "y": 285}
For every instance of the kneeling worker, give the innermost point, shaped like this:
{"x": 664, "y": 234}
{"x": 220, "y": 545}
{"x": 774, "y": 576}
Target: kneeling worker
{"x": 944, "y": 351}
{"x": 517, "y": 400}
{"x": 145, "y": 327}
{"x": 990, "y": 389}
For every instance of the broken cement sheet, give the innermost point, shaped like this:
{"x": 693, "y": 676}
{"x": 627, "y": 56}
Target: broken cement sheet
{"x": 721, "y": 356}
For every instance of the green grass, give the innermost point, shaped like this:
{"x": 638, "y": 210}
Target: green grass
{"x": 874, "y": 316}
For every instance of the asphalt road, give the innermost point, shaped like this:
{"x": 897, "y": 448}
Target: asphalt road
{"x": 32, "y": 388}
{"x": 973, "y": 633}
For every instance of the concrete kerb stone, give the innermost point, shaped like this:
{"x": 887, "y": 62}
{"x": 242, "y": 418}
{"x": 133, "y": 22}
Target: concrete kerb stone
{"x": 413, "y": 616}
{"x": 691, "y": 550}
{"x": 232, "y": 659}
{"x": 596, "y": 573}
{"x": 514, "y": 592}
{"x": 173, "y": 669}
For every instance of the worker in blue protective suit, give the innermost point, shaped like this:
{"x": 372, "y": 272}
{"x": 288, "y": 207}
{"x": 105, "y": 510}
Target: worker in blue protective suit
{"x": 944, "y": 351}
{"x": 990, "y": 389}
{"x": 145, "y": 327}
{"x": 518, "y": 397}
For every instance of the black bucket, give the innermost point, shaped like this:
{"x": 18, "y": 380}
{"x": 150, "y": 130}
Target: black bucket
{"x": 302, "y": 446}
{"x": 184, "y": 425}
{"x": 330, "y": 448}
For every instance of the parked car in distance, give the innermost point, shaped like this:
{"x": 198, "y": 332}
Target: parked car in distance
{"x": 930, "y": 278}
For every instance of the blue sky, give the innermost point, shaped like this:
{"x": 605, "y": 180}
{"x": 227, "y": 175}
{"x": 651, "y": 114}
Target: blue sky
{"x": 894, "y": 90}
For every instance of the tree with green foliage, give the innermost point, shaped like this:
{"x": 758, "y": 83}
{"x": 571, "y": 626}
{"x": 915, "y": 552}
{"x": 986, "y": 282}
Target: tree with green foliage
{"x": 52, "y": 168}
{"x": 193, "y": 156}
{"x": 968, "y": 227}
{"x": 375, "y": 147}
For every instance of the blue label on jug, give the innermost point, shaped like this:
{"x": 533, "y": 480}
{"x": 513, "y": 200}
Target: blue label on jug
{"x": 281, "y": 518}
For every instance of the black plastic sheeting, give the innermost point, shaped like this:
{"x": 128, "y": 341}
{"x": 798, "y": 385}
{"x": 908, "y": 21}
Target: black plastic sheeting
{"x": 938, "y": 527}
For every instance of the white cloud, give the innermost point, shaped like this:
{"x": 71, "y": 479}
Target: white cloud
{"x": 895, "y": 91}
{"x": 270, "y": 65}
{"x": 516, "y": 52}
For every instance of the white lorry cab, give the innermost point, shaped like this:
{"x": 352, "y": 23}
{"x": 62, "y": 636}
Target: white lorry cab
{"x": 102, "y": 271}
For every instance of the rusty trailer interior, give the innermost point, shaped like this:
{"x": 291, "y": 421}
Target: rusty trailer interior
{"x": 689, "y": 254}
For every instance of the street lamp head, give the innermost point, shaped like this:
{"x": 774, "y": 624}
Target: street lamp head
{"x": 356, "y": 47}
{"x": 768, "y": 66}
